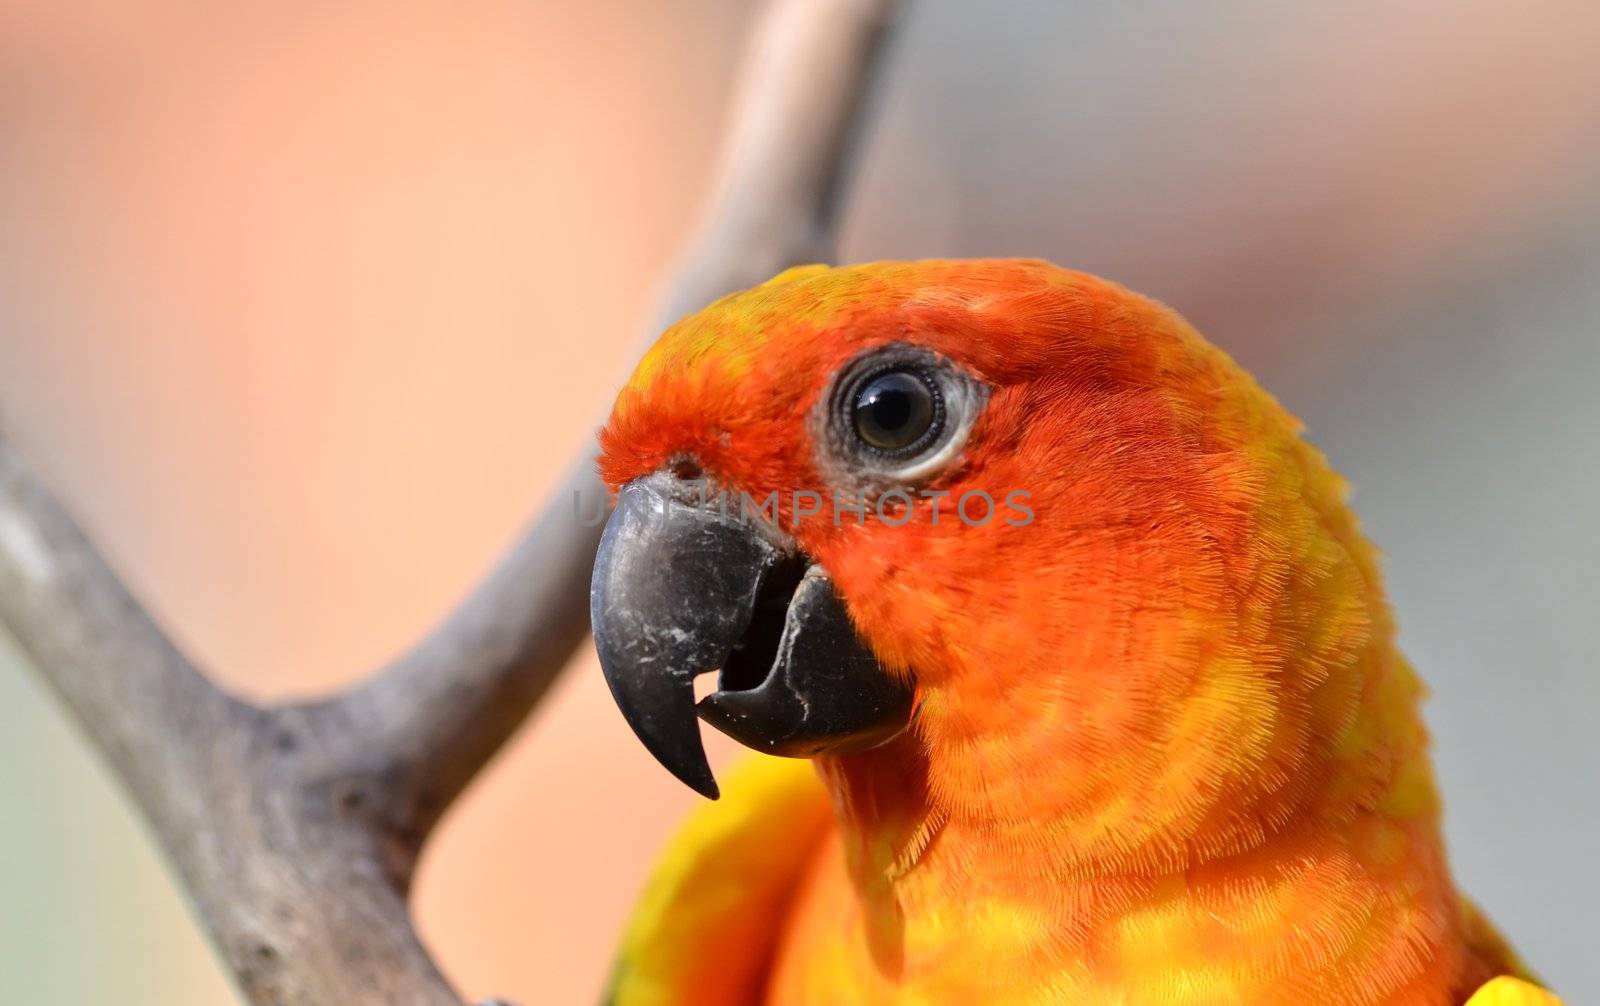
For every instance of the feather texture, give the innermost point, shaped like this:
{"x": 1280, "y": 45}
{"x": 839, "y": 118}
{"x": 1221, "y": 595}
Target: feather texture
{"x": 1165, "y": 750}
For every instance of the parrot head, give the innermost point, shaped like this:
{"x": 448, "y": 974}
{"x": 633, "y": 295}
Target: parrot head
{"x": 1021, "y": 526}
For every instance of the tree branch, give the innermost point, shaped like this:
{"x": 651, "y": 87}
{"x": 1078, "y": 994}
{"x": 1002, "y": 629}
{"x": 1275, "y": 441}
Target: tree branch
{"x": 296, "y": 828}
{"x": 447, "y": 706}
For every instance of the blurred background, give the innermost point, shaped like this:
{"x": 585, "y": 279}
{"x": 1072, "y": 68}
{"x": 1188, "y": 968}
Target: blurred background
{"x": 304, "y": 306}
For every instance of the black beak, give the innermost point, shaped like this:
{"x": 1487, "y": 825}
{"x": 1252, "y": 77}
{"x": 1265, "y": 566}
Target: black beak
{"x": 683, "y": 586}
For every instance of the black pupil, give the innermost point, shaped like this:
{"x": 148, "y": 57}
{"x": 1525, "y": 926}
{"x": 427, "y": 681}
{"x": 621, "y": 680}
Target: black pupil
{"x": 894, "y": 410}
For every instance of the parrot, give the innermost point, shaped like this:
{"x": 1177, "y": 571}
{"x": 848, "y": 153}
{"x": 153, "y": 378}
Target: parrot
{"x": 1069, "y": 670}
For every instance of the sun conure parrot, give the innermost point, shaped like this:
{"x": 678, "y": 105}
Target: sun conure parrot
{"x": 1089, "y": 654}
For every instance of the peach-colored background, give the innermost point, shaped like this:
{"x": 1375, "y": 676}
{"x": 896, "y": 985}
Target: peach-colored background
{"x": 318, "y": 302}
{"x": 304, "y": 306}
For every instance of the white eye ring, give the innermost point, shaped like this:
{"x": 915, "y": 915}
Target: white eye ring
{"x": 851, "y": 461}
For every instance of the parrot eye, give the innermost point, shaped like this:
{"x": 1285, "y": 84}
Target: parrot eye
{"x": 897, "y": 412}
{"x": 894, "y": 415}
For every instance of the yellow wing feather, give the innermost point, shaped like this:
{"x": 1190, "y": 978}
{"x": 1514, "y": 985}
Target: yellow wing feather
{"x": 710, "y": 915}
{"x": 1508, "y": 991}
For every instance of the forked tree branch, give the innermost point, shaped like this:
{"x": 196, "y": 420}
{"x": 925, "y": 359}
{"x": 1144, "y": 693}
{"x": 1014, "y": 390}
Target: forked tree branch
{"x": 296, "y": 828}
